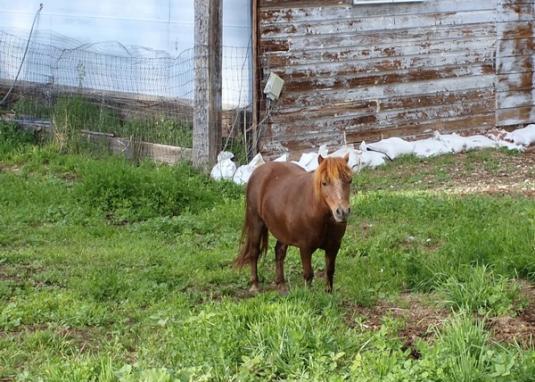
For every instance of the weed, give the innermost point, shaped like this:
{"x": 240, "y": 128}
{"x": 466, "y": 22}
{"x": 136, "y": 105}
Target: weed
{"x": 479, "y": 290}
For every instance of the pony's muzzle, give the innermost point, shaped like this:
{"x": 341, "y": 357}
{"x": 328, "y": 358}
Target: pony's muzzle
{"x": 341, "y": 214}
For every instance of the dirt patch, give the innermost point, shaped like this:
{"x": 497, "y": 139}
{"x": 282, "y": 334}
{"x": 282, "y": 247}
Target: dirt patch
{"x": 5, "y": 276}
{"x": 500, "y": 174}
{"x": 519, "y": 329}
{"x": 13, "y": 169}
{"x": 85, "y": 339}
{"x": 22, "y": 275}
{"x": 419, "y": 317}
{"x": 490, "y": 172}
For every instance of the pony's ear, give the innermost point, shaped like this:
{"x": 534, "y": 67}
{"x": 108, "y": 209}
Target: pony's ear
{"x": 320, "y": 159}
{"x": 346, "y": 158}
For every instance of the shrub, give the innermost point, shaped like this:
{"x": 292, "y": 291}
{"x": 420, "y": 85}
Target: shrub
{"x": 127, "y": 193}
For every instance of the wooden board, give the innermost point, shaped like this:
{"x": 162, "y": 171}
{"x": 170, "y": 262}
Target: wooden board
{"x": 515, "y": 82}
{"x": 367, "y": 71}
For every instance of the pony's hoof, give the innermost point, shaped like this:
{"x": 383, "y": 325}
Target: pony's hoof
{"x": 254, "y": 289}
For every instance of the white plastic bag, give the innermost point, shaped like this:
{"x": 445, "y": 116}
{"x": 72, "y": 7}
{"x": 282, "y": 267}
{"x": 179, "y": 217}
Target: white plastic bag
{"x": 392, "y": 147}
{"x": 370, "y": 159}
{"x": 454, "y": 142}
{"x": 243, "y": 173}
{"x": 323, "y": 151}
{"x": 479, "y": 142}
{"x": 308, "y": 161}
{"x": 224, "y": 169}
{"x": 524, "y": 136}
{"x": 224, "y": 155}
{"x": 510, "y": 145}
{"x": 282, "y": 158}
{"x": 429, "y": 147}
{"x": 256, "y": 161}
{"x": 354, "y": 156}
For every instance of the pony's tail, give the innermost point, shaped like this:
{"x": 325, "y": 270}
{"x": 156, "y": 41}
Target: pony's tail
{"x": 247, "y": 250}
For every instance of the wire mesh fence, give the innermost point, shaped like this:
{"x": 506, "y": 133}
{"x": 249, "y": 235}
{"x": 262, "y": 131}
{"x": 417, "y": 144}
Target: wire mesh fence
{"x": 129, "y": 92}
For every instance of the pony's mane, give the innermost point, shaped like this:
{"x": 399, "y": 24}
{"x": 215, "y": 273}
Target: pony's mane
{"x": 330, "y": 169}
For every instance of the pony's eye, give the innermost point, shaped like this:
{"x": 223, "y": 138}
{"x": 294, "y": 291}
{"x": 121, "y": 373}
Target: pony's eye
{"x": 323, "y": 183}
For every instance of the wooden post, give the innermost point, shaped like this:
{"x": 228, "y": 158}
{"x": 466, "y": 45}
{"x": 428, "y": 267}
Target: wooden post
{"x": 256, "y": 81}
{"x": 208, "y": 82}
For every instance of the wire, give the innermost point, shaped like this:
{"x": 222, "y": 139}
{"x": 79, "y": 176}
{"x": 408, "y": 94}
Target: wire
{"x": 23, "y": 56}
{"x": 239, "y": 99}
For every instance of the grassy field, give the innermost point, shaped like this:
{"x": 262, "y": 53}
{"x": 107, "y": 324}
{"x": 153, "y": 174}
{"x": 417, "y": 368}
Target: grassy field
{"x": 116, "y": 272}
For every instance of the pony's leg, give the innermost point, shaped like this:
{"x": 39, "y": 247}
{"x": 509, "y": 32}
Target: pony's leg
{"x": 255, "y": 235}
{"x": 280, "y": 255}
{"x": 330, "y": 263}
{"x": 306, "y": 260}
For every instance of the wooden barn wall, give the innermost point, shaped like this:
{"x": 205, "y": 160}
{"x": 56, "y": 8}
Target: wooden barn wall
{"x": 515, "y": 101}
{"x": 373, "y": 71}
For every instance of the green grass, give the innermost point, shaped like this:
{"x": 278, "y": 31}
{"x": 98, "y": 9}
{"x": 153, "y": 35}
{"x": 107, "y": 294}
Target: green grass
{"x": 111, "y": 271}
{"x": 71, "y": 114}
{"x": 477, "y": 289}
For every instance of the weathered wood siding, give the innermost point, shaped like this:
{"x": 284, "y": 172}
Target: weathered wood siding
{"x": 373, "y": 71}
{"x": 515, "y": 101}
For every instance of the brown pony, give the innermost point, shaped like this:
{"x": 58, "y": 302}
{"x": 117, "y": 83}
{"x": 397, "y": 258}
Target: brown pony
{"x": 306, "y": 210}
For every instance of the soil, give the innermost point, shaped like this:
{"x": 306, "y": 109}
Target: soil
{"x": 521, "y": 328}
{"x": 513, "y": 174}
{"x": 493, "y": 172}
{"x": 421, "y": 318}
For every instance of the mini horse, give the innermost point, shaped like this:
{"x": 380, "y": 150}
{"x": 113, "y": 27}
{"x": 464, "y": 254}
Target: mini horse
{"x": 306, "y": 210}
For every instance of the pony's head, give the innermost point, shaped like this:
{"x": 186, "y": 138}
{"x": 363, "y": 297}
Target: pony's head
{"x": 332, "y": 183}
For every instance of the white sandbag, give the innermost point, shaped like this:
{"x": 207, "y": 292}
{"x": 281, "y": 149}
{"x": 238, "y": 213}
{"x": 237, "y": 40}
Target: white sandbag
{"x": 223, "y": 170}
{"x": 524, "y": 136}
{"x": 243, "y": 173}
{"x": 323, "y": 151}
{"x": 224, "y": 155}
{"x": 392, "y": 147}
{"x": 308, "y": 161}
{"x": 498, "y": 136}
{"x": 510, "y": 145}
{"x": 354, "y": 156}
{"x": 475, "y": 142}
{"x": 454, "y": 142}
{"x": 370, "y": 159}
{"x": 256, "y": 161}
{"x": 282, "y": 158}
{"x": 341, "y": 151}
{"x": 429, "y": 147}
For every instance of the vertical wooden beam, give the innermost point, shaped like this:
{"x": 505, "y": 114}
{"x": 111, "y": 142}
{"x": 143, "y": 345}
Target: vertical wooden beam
{"x": 256, "y": 81}
{"x": 208, "y": 82}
